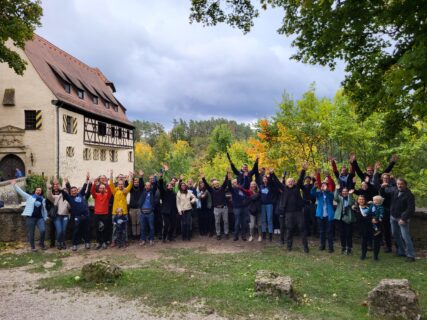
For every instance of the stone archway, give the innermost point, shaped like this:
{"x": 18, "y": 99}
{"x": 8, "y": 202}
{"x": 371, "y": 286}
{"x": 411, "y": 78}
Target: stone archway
{"x": 9, "y": 164}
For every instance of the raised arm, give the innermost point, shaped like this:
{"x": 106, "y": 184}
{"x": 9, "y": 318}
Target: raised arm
{"x": 21, "y": 192}
{"x": 93, "y": 191}
{"x": 391, "y": 164}
{"x": 335, "y": 169}
{"x": 254, "y": 168}
{"x": 161, "y": 186}
{"x": 233, "y": 167}
{"x": 225, "y": 183}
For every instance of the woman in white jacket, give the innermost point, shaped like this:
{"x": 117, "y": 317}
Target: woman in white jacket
{"x": 184, "y": 204}
{"x": 35, "y": 214}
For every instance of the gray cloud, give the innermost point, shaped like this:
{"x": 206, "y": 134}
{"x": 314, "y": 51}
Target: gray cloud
{"x": 165, "y": 68}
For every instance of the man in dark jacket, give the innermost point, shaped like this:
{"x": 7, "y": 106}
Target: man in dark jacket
{"x": 219, "y": 203}
{"x": 168, "y": 208}
{"x": 402, "y": 207}
{"x": 370, "y": 170}
{"x": 244, "y": 176}
{"x": 146, "y": 205}
{"x": 291, "y": 206}
{"x": 134, "y": 211}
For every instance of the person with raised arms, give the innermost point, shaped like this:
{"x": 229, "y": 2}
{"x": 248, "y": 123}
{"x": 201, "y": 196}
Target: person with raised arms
{"x": 35, "y": 213}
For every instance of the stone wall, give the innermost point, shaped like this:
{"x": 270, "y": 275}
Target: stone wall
{"x": 8, "y": 194}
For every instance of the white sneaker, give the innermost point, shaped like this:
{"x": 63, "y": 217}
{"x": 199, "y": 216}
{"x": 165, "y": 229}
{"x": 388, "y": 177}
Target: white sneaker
{"x": 74, "y": 248}
{"x": 251, "y": 239}
{"x": 142, "y": 243}
{"x": 151, "y": 242}
{"x": 259, "y": 238}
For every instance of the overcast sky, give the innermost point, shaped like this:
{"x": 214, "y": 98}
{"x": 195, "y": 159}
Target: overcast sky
{"x": 165, "y": 68}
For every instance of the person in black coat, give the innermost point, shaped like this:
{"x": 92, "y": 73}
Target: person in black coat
{"x": 402, "y": 207}
{"x": 168, "y": 208}
{"x": 291, "y": 206}
{"x": 370, "y": 170}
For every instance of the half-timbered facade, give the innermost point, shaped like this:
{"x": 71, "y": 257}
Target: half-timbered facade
{"x": 61, "y": 118}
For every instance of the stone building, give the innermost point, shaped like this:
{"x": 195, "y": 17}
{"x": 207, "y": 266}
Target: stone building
{"x": 61, "y": 118}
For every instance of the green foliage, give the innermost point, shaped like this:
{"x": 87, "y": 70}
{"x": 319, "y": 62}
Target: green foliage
{"x": 328, "y": 286}
{"x": 34, "y": 181}
{"x": 383, "y": 43}
{"x": 147, "y": 131}
{"x": 221, "y": 139}
{"x": 18, "y": 20}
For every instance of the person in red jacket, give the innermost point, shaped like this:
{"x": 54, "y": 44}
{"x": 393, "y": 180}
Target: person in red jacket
{"x": 101, "y": 218}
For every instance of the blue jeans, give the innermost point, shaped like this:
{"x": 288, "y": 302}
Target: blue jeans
{"x": 186, "y": 223}
{"x": 402, "y": 237}
{"x": 144, "y": 219}
{"x": 240, "y": 222}
{"x": 61, "y": 223}
{"x": 267, "y": 218}
{"x": 31, "y": 227}
{"x": 326, "y": 231}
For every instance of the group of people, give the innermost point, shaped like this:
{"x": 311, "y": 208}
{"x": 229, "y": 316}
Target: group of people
{"x": 246, "y": 201}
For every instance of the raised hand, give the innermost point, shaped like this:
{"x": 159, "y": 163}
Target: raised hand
{"x": 141, "y": 173}
{"x": 304, "y": 165}
{"x": 165, "y": 167}
{"x": 394, "y": 158}
{"x": 111, "y": 173}
{"x": 377, "y": 165}
{"x": 87, "y": 176}
{"x": 352, "y": 157}
{"x": 351, "y": 191}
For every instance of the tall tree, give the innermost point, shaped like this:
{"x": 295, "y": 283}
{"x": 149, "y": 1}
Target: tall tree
{"x": 383, "y": 43}
{"x": 18, "y": 20}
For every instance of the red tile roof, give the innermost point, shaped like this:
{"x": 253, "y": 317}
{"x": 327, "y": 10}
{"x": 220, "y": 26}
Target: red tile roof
{"x": 52, "y": 64}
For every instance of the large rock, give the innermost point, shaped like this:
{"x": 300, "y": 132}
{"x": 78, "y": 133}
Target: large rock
{"x": 271, "y": 283}
{"x": 101, "y": 271}
{"x": 394, "y": 299}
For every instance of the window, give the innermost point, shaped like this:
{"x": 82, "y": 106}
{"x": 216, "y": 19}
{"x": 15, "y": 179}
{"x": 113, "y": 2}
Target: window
{"x": 95, "y": 154}
{"x": 114, "y": 156}
{"x": 69, "y": 124}
{"x": 80, "y": 93}
{"x": 113, "y": 131}
{"x": 103, "y": 154}
{"x": 95, "y": 99}
{"x": 119, "y": 133}
{"x": 130, "y": 158}
{"x": 116, "y": 108}
{"x": 70, "y": 152}
{"x": 107, "y": 104}
{"x": 102, "y": 128}
{"x": 86, "y": 154}
{"x": 67, "y": 87}
{"x": 30, "y": 120}
{"x": 128, "y": 134}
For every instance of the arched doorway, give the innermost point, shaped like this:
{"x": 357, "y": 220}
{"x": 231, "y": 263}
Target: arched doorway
{"x": 8, "y": 166}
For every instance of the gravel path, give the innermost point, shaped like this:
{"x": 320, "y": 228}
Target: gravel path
{"x": 21, "y": 300}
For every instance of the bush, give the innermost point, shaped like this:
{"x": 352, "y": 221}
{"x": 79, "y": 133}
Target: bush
{"x": 34, "y": 181}
{"x": 101, "y": 271}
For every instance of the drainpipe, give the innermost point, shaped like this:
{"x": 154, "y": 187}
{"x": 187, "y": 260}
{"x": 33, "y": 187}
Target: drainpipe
{"x": 57, "y": 104}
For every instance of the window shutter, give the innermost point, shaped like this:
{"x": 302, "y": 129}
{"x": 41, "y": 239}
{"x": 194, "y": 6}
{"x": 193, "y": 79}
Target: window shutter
{"x": 74, "y": 125}
{"x": 64, "y": 122}
{"x": 39, "y": 119}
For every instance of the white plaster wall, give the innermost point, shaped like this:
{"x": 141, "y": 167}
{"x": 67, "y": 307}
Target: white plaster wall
{"x": 30, "y": 94}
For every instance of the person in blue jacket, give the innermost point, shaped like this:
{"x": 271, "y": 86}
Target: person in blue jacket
{"x": 35, "y": 214}
{"x": 79, "y": 214}
{"x": 325, "y": 215}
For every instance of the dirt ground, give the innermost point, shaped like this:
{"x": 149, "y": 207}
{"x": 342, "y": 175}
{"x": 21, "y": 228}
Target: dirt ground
{"x": 20, "y": 298}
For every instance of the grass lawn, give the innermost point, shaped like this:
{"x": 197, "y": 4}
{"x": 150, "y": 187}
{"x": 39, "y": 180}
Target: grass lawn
{"x": 328, "y": 286}
{"x": 40, "y": 261}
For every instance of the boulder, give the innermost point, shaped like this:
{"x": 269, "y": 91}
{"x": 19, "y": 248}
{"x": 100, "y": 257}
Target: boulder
{"x": 271, "y": 283}
{"x": 394, "y": 299}
{"x": 101, "y": 271}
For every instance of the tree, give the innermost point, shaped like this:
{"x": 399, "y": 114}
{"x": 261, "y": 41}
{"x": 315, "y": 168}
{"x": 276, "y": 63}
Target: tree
{"x": 383, "y": 43}
{"x": 148, "y": 131}
{"x": 221, "y": 139}
{"x": 18, "y": 20}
